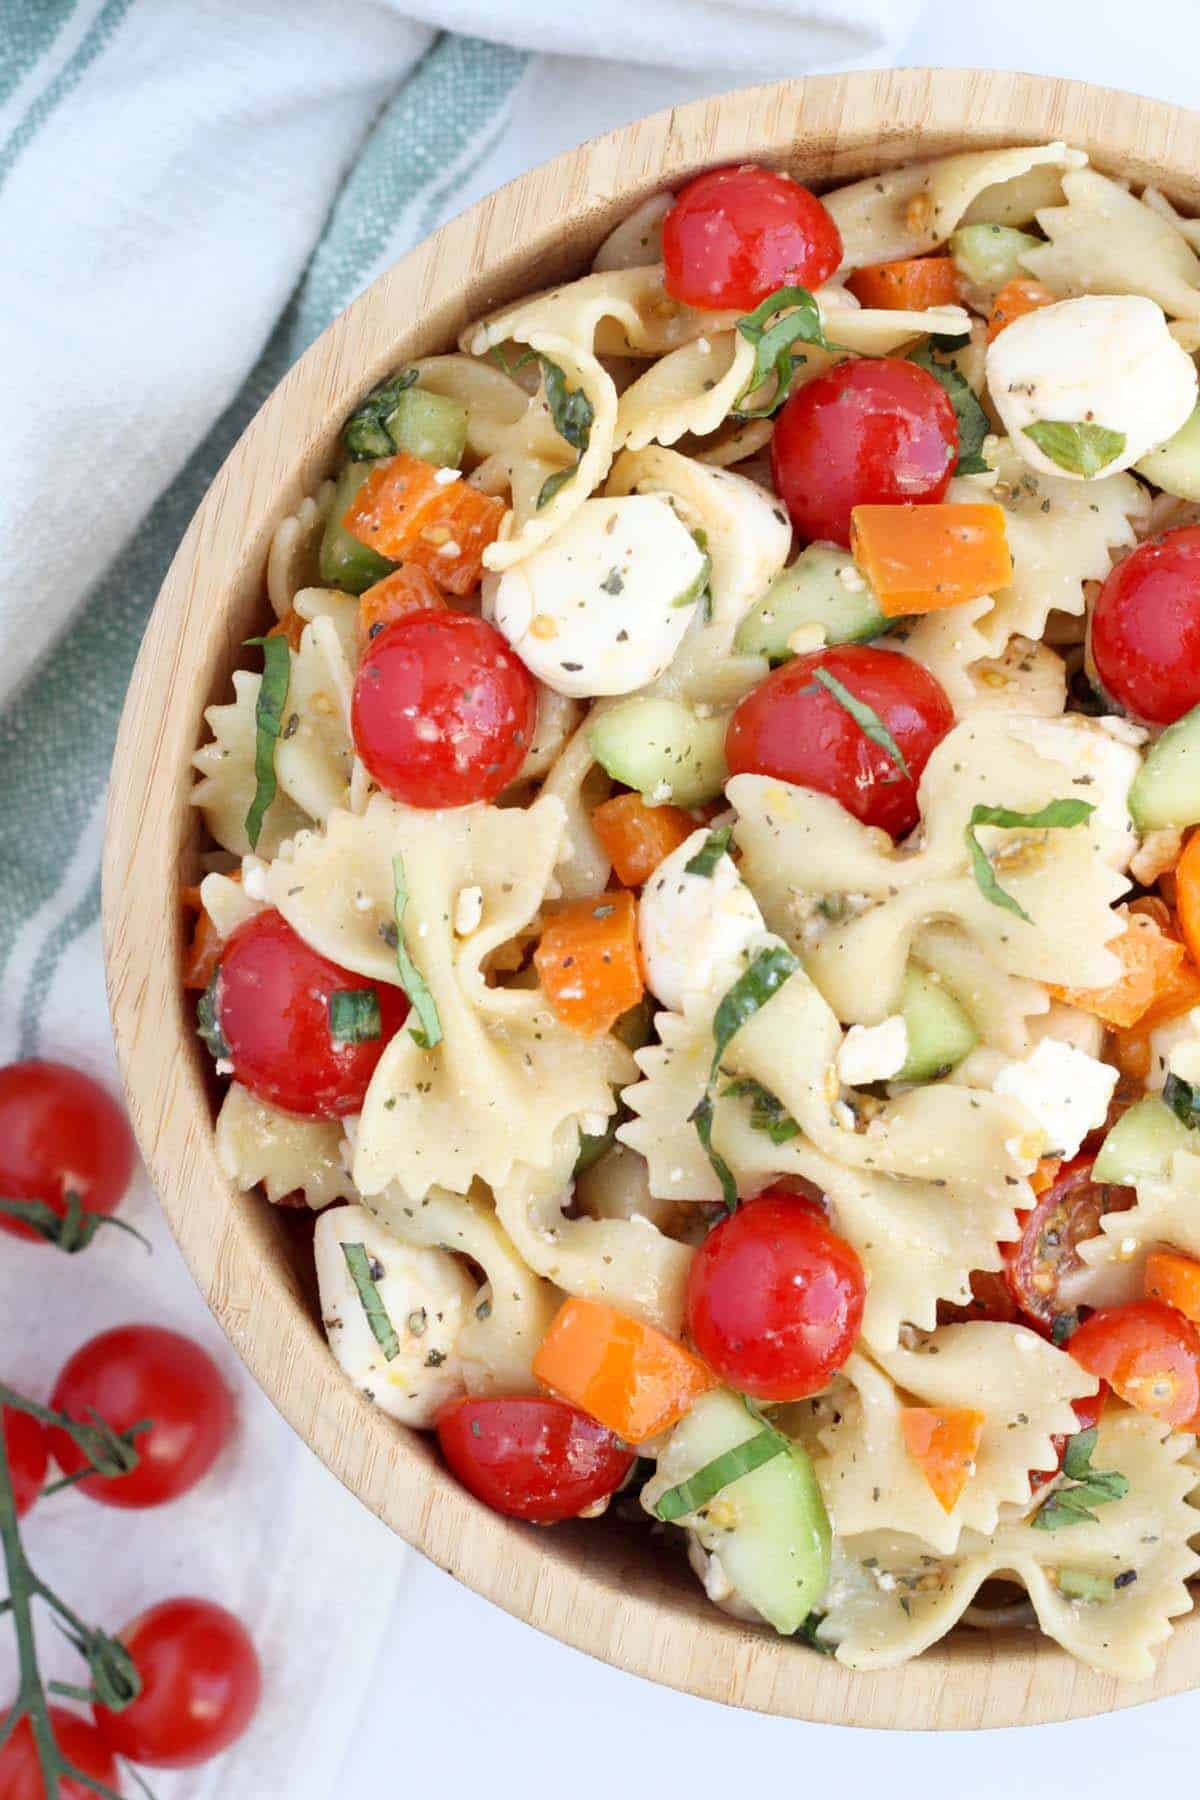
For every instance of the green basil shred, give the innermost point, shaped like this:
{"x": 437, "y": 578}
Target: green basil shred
{"x": 973, "y": 424}
{"x": 798, "y": 321}
{"x": 1077, "y": 445}
{"x": 1072, "y": 1504}
{"x": 268, "y": 727}
{"x": 208, "y": 1023}
{"x": 382, "y": 1329}
{"x": 1183, "y": 1100}
{"x": 710, "y": 853}
{"x": 767, "y": 1113}
{"x": 552, "y": 483}
{"x": 429, "y": 1032}
{"x": 570, "y": 408}
{"x": 366, "y": 433}
{"x": 752, "y": 989}
{"x": 864, "y": 716}
{"x": 731, "y": 1465}
{"x": 1059, "y": 813}
{"x": 701, "y": 1117}
{"x": 354, "y": 1016}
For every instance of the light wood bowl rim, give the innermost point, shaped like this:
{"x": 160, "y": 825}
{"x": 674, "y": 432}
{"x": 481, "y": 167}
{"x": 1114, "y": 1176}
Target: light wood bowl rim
{"x": 578, "y": 1584}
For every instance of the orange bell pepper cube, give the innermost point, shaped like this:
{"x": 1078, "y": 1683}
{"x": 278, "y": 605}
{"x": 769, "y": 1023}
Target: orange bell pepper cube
{"x": 1175, "y": 1278}
{"x": 943, "y": 1441}
{"x": 1187, "y": 895}
{"x": 204, "y": 951}
{"x": 407, "y": 589}
{"x": 1046, "y": 1174}
{"x": 631, "y": 1377}
{"x": 587, "y": 961}
{"x": 408, "y": 511}
{"x": 1149, "y": 963}
{"x": 921, "y": 558}
{"x": 291, "y": 627}
{"x": 1016, "y": 298}
{"x": 908, "y": 286}
{"x": 637, "y": 837}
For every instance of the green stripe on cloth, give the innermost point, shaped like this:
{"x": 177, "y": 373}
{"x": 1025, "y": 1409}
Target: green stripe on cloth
{"x": 68, "y": 78}
{"x": 26, "y": 33}
{"x": 56, "y": 738}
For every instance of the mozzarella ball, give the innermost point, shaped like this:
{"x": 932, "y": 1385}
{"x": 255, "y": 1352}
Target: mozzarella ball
{"x": 693, "y": 930}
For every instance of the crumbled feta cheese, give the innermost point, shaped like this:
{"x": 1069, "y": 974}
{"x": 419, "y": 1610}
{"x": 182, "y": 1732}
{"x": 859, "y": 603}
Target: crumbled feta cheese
{"x": 444, "y": 477}
{"x": 1168, "y": 1046}
{"x": 660, "y": 793}
{"x": 468, "y": 910}
{"x": 693, "y": 929}
{"x": 254, "y": 878}
{"x": 224, "y": 1066}
{"x": 873, "y": 1052}
{"x": 1066, "y": 1091}
{"x": 593, "y": 1124}
{"x": 806, "y": 637}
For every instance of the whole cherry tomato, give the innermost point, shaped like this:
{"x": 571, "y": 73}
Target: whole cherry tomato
{"x": 1145, "y": 629}
{"x": 27, "y": 1451}
{"x": 775, "y": 1299}
{"x": 1066, "y": 1215}
{"x": 443, "y": 710}
{"x": 735, "y": 235}
{"x": 273, "y": 1006}
{"x": 60, "y": 1133}
{"x": 793, "y": 727}
{"x": 78, "y": 1741}
{"x": 532, "y": 1458}
{"x": 1148, "y": 1354}
{"x": 145, "y": 1372}
{"x": 201, "y": 1685}
{"x": 877, "y": 432}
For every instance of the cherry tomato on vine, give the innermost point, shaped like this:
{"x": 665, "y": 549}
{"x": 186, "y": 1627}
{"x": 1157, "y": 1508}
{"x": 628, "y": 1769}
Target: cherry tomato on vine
{"x": 1145, "y": 629}
{"x": 735, "y": 235}
{"x": 443, "y": 710}
{"x": 775, "y": 1299}
{"x": 532, "y": 1457}
{"x": 27, "y": 1451}
{"x": 78, "y": 1741}
{"x": 1066, "y": 1215}
{"x": 201, "y": 1684}
{"x": 145, "y": 1372}
{"x": 877, "y": 432}
{"x": 60, "y": 1133}
{"x": 1148, "y": 1354}
{"x": 273, "y": 1006}
{"x": 792, "y": 727}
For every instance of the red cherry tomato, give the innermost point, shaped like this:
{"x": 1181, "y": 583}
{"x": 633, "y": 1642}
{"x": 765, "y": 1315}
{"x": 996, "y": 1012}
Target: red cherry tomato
{"x": 791, "y": 727}
{"x": 26, "y": 1448}
{"x": 1087, "y": 1411}
{"x": 735, "y": 235}
{"x": 60, "y": 1133}
{"x": 876, "y": 432}
{"x": 775, "y": 1299}
{"x": 78, "y": 1741}
{"x": 201, "y": 1684}
{"x": 1148, "y": 1354}
{"x": 273, "y": 1006}
{"x": 1145, "y": 631}
{"x": 538, "y": 1459}
{"x": 443, "y": 710}
{"x": 145, "y": 1372}
{"x": 1067, "y": 1214}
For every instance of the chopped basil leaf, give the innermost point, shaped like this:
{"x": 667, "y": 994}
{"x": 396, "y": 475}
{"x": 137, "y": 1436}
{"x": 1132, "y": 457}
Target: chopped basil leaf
{"x": 702, "y": 1118}
{"x": 752, "y": 989}
{"x": 707, "y": 1482}
{"x": 208, "y": 1022}
{"x": 1071, "y": 1505}
{"x": 807, "y": 1634}
{"x": 382, "y": 1329}
{"x": 710, "y": 853}
{"x": 268, "y": 724}
{"x": 1183, "y": 1099}
{"x": 354, "y": 1016}
{"x": 429, "y": 1033}
{"x": 767, "y": 1113}
{"x": 1059, "y": 813}
{"x": 366, "y": 434}
{"x": 865, "y": 717}
{"x": 1080, "y": 447}
{"x": 570, "y": 408}
{"x": 552, "y": 483}
{"x": 801, "y": 322}
{"x": 973, "y": 425}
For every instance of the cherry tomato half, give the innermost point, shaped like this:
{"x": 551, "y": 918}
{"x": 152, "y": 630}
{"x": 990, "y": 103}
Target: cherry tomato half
{"x": 735, "y": 235}
{"x": 1067, "y": 1214}
{"x": 443, "y": 710}
{"x": 27, "y": 1451}
{"x": 1148, "y": 1354}
{"x": 145, "y": 1372}
{"x": 60, "y": 1133}
{"x": 78, "y": 1741}
{"x": 201, "y": 1684}
{"x": 273, "y": 998}
{"x": 775, "y": 1299}
{"x": 878, "y": 432}
{"x": 792, "y": 727}
{"x": 1145, "y": 629}
{"x": 991, "y": 1301}
{"x": 532, "y": 1458}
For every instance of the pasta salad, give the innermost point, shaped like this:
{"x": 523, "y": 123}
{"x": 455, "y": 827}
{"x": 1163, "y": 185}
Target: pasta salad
{"x": 701, "y": 905}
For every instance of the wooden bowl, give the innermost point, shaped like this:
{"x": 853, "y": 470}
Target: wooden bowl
{"x": 597, "y": 1588}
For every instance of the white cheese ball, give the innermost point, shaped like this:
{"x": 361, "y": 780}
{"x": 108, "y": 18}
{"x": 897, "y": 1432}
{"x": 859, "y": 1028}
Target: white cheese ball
{"x": 602, "y": 608}
{"x": 693, "y": 930}
{"x": 428, "y": 1296}
{"x": 1100, "y": 359}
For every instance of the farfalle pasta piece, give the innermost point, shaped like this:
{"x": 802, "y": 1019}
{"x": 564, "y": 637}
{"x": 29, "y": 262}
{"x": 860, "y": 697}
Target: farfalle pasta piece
{"x": 258, "y": 1145}
{"x": 1167, "y": 1212}
{"x": 636, "y": 243}
{"x": 691, "y": 389}
{"x": 579, "y": 784}
{"x": 493, "y": 402}
{"x": 617, "y": 312}
{"x": 1106, "y": 241}
{"x": 293, "y": 559}
{"x": 999, "y": 1005}
{"x": 314, "y": 755}
{"x": 227, "y": 903}
{"x": 1026, "y": 676}
{"x": 227, "y": 784}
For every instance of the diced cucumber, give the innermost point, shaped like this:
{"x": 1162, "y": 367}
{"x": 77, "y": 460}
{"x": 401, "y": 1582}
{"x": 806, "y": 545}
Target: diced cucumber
{"x": 990, "y": 255}
{"x": 769, "y": 1527}
{"x": 940, "y": 1033}
{"x": 1166, "y": 791}
{"x": 344, "y": 562}
{"x": 1175, "y": 465}
{"x": 812, "y": 590}
{"x": 429, "y": 426}
{"x": 1142, "y": 1142}
{"x": 661, "y": 748}
{"x": 1084, "y": 1584}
